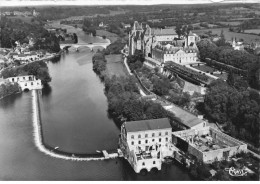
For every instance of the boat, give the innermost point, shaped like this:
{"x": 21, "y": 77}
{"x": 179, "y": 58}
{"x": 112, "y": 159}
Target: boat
{"x": 98, "y": 151}
{"x": 57, "y": 147}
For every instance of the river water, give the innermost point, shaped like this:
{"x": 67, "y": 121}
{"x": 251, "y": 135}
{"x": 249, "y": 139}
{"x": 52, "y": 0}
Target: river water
{"x": 74, "y": 118}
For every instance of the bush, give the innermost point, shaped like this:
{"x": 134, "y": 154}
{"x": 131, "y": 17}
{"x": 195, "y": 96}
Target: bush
{"x": 99, "y": 66}
{"x": 39, "y": 69}
{"x": 8, "y": 89}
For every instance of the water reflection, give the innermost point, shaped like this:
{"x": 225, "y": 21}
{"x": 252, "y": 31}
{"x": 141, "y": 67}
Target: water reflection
{"x": 9, "y": 101}
{"x": 56, "y": 59}
{"x": 46, "y": 91}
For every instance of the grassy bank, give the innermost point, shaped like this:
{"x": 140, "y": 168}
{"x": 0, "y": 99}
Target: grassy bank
{"x": 115, "y": 65}
{"x": 111, "y": 36}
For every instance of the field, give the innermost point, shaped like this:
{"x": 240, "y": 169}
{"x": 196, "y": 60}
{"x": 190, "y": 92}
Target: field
{"x": 229, "y": 35}
{"x": 231, "y": 23}
{"x": 254, "y": 31}
{"x": 115, "y": 65}
{"x": 111, "y": 36}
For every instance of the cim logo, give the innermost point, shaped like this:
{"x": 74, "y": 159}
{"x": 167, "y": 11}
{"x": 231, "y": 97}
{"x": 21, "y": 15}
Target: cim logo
{"x": 236, "y": 172}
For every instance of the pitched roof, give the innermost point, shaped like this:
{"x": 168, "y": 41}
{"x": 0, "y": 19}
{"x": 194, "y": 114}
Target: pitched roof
{"x": 143, "y": 125}
{"x": 160, "y": 32}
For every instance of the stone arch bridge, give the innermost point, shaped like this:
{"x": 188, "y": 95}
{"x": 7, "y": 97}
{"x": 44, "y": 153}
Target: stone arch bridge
{"x": 88, "y": 45}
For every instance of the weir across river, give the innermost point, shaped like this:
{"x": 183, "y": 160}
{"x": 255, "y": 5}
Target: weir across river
{"x": 56, "y": 153}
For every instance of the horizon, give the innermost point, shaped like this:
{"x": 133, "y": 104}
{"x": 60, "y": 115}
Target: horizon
{"x": 21, "y": 3}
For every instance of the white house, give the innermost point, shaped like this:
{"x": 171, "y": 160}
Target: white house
{"x": 27, "y": 56}
{"x": 176, "y": 52}
{"x": 237, "y": 45}
{"x": 28, "y": 82}
{"x": 145, "y": 143}
{"x": 101, "y": 24}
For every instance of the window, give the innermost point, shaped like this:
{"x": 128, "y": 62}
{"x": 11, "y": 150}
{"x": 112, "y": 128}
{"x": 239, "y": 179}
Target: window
{"x": 166, "y": 133}
{"x": 146, "y": 141}
{"x": 146, "y": 135}
{"x": 160, "y": 133}
{"x": 132, "y": 142}
{"x": 139, "y": 142}
{"x": 143, "y": 163}
{"x": 153, "y": 162}
{"x": 32, "y": 83}
{"x": 139, "y": 136}
{"x": 153, "y": 134}
{"x": 153, "y": 140}
{"x": 160, "y": 139}
{"x": 132, "y": 137}
{"x": 166, "y": 139}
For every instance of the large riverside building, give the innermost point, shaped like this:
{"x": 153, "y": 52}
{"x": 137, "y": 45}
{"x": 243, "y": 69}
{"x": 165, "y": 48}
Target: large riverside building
{"x": 163, "y": 44}
{"x": 28, "y": 82}
{"x": 181, "y": 51}
{"x": 145, "y": 143}
{"x": 208, "y": 144}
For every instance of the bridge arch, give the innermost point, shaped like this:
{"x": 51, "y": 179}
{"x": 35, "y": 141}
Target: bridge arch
{"x": 143, "y": 171}
{"x": 26, "y": 89}
{"x": 90, "y": 46}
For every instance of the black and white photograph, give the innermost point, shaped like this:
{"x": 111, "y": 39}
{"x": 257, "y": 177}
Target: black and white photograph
{"x": 130, "y": 90}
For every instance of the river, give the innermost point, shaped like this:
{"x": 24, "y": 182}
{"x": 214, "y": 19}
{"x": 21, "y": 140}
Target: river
{"x": 74, "y": 118}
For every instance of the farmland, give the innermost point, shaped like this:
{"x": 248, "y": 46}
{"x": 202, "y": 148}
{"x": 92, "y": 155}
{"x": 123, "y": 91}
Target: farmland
{"x": 253, "y": 31}
{"x": 231, "y": 23}
{"x": 229, "y": 35}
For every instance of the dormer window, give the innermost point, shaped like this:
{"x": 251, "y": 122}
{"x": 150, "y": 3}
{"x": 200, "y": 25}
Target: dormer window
{"x": 139, "y": 136}
{"x": 132, "y": 136}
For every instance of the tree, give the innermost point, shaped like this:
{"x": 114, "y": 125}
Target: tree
{"x": 207, "y": 49}
{"x": 75, "y": 37}
{"x": 230, "y": 79}
{"x": 86, "y": 23}
{"x": 178, "y": 30}
{"x": 222, "y": 40}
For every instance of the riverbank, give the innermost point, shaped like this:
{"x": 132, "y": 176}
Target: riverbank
{"x": 7, "y": 89}
{"x": 111, "y": 36}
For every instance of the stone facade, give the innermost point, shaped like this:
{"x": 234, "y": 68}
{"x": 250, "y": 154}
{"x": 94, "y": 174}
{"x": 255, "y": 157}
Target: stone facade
{"x": 27, "y": 82}
{"x": 145, "y": 147}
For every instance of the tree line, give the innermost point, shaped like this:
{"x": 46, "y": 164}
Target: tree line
{"x": 124, "y": 99}
{"x": 232, "y": 105}
{"x": 238, "y": 58}
{"x": 17, "y": 30}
